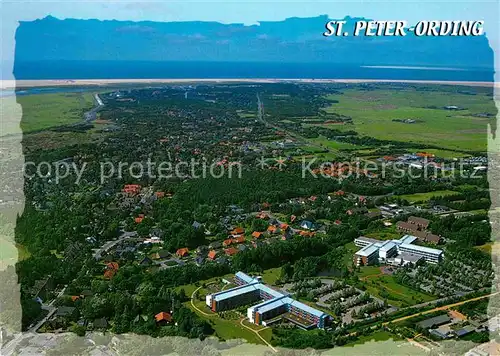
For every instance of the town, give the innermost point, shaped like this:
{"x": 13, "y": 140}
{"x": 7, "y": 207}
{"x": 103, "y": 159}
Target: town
{"x": 269, "y": 255}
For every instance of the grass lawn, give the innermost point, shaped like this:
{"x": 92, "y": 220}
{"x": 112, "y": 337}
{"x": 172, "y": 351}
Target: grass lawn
{"x": 373, "y": 113}
{"x": 351, "y": 248}
{"x": 385, "y": 287}
{"x": 412, "y": 198}
{"x": 42, "y": 111}
{"x": 335, "y": 145}
{"x": 271, "y": 275}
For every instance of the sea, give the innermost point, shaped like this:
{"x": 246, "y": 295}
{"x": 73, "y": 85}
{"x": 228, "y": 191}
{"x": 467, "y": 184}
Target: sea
{"x": 238, "y": 70}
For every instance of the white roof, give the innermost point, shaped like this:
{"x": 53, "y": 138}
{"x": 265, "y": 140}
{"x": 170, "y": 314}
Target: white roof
{"x": 367, "y": 250}
{"x": 432, "y": 251}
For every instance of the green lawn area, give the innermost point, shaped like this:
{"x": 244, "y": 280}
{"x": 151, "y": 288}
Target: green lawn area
{"x": 271, "y": 275}
{"x": 42, "y": 111}
{"x": 412, "y": 198}
{"x": 335, "y": 145}
{"x": 373, "y": 113}
{"x": 385, "y": 287}
{"x": 351, "y": 249}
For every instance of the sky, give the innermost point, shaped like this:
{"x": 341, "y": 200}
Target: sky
{"x": 247, "y": 12}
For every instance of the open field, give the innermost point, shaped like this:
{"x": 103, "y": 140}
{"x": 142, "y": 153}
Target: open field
{"x": 385, "y": 287}
{"x": 373, "y": 113}
{"x": 412, "y": 198}
{"x": 42, "y": 111}
{"x": 271, "y": 275}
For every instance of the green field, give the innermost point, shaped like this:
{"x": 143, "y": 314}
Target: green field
{"x": 271, "y": 275}
{"x": 42, "y": 111}
{"x": 373, "y": 111}
{"x": 412, "y": 198}
{"x": 385, "y": 287}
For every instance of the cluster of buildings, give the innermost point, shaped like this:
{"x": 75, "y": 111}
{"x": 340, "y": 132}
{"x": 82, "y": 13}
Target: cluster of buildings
{"x": 273, "y": 305}
{"x": 418, "y": 227}
{"x": 394, "y": 252}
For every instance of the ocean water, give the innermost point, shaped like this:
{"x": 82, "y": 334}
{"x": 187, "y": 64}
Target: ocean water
{"x": 226, "y": 70}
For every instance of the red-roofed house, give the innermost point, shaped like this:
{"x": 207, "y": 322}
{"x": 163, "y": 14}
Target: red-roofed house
{"x": 160, "y": 194}
{"x": 227, "y": 242}
{"x": 238, "y": 231}
{"x": 338, "y": 222}
{"x": 182, "y": 252}
{"x": 339, "y": 193}
{"x": 131, "y": 189}
{"x": 231, "y": 251}
{"x": 212, "y": 254}
{"x": 272, "y": 229}
{"x": 111, "y": 269}
{"x": 163, "y": 317}
{"x": 138, "y": 219}
{"x": 257, "y": 234}
{"x": 240, "y": 239}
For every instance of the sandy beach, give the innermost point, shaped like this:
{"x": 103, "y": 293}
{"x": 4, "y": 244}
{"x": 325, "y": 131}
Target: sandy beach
{"x": 13, "y": 84}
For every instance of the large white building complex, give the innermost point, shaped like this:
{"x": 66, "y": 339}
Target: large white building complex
{"x": 395, "y": 252}
{"x": 274, "y": 305}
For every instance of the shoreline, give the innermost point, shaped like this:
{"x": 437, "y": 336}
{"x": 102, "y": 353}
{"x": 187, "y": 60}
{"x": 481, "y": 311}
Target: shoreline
{"x": 13, "y": 84}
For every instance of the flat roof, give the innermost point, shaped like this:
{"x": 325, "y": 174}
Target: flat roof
{"x": 366, "y": 239}
{"x": 307, "y": 308}
{"x": 233, "y": 292}
{"x": 244, "y": 277}
{"x": 407, "y": 239}
{"x": 367, "y": 250}
{"x": 437, "y": 320}
{"x": 271, "y": 304}
{"x": 432, "y": 251}
{"x": 387, "y": 245}
{"x": 409, "y": 257}
{"x": 271, "y": 291}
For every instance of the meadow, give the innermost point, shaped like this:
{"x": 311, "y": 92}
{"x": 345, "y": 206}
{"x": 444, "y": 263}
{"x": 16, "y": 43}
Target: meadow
{"x": 42, "y": 111}
{"x": 373, "y": 113}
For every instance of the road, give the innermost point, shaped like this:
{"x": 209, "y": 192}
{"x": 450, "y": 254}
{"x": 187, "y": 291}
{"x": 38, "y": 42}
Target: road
{"x": 444, "y": 307}
{"x": 110, "y": 244}
{"x": 91, "y": 115}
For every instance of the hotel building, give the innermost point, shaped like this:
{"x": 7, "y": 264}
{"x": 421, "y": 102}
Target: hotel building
{"x": 273, "y": 304}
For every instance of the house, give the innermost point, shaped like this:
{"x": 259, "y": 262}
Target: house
{"x": 182, "y": 252}
{"x": 237, "y": 231}
{"x": 196, "y": 225}
{"x": 100, "y": 324}
{"x": 111, "y": 269}
{"x": 435, "y": 321}
{"x": 406, "y": 227}
{"x": 201, "y": 250}
{"x": 199, "y": 260}
{"x": 138, "y": 220}
{"x": 262, "y": 215}
{"x": 231, "y": 251}
{"x": 284, "y": 227}
{"x": 421, "y": 223}
{"x": 227, "y": 242}
{"x": 212, "y": 254}
{"x": 131, "y": 189}
{"x": 146, "y": 261}
{"x": 74, "y": 298}
{"x": 240, "y": 239}
{"x": 272, "y": 229}
{"x": 292, "y": 218}
{"x": 159, "y": 194}
{"x": 163, "y": 318}
{"x": 242, "y": 247}
{"x": 256, "y": 234}
{"x": 161, "y": 254}
{"x": 338, "y": 222}
{"x": 339, "y": 193}
{"x": 308, "y": 225}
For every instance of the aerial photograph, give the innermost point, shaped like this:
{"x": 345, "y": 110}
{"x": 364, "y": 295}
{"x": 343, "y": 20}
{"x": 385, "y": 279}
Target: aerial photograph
{"x": 249, "y": 178}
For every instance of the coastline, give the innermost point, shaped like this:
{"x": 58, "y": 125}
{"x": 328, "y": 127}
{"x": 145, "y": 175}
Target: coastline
{"x": 13, "y": 84}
